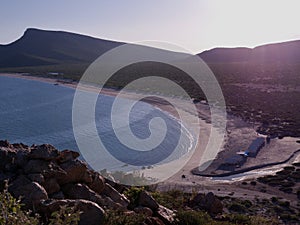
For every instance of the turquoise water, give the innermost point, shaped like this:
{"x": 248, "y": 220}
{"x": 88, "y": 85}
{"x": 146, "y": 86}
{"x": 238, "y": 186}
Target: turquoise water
{"x": 34, "y": 112}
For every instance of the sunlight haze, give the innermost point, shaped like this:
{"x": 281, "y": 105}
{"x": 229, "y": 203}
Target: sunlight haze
{"x": 194, "y": 25}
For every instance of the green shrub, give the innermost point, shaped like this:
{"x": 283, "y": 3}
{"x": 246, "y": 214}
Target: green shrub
{"x": 133, "y": 194}
{"x": 11, "y": 212}
{"x": 192, "y": 217}
{"x": 239, "y": 219}
{"x": 65, "y": 216}
{"x": 173, "y": 199}
{"x": 247, "y": 203}
{"x": 122, "y": 218}
{"x": 237, "y": 207}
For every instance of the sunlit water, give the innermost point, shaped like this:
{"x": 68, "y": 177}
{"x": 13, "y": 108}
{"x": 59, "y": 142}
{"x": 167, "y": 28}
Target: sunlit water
{"x": 34, "y": 112}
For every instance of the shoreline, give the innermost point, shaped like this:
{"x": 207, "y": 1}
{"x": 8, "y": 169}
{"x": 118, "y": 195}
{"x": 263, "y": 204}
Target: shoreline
{"x": 193, "y": 162}
{"x": 205, "y": 127}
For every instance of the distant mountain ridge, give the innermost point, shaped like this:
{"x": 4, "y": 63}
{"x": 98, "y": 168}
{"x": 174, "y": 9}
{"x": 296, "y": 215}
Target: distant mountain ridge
{"x": 42, "y": 47}
{"x": 286, "y": 52}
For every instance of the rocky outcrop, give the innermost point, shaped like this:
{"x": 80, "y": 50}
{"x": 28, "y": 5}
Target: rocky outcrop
{"x": 208, "y": 202}
{"x": 46, "y": 179}
{"x": 91, "y": 213}
{"x": 146, "y": 200}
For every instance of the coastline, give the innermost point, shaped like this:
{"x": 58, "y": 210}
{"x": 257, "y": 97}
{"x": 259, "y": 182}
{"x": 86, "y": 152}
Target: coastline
{"x": 271, "y": 153}
{"x": 205, "y": 127}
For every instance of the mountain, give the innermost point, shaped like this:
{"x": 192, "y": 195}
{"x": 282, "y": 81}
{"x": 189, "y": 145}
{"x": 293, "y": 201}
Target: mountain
{"x": 40, "y": 47}
{"x": 287, "y": 52}
{"x": 43, "y": 48}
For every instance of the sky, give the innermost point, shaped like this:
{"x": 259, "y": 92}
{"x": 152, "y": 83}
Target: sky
{"x": 194, "y": 25}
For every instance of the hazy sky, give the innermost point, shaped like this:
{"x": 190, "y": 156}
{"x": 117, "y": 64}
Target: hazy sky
{"x": 195, "y": 25}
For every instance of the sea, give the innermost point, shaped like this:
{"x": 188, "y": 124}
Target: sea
{"x": 36, "y": 112}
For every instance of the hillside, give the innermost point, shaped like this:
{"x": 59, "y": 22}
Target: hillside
{"x": 287, "y": 52}
{"x": 38, "y": 48}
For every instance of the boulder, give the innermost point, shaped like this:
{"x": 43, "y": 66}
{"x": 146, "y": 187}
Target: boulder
{"x": 21, "y": 158}
{"x": 115, "y": 195}
{"x": 57, "y": 195}
{"x": 82, "y": 191}
{"x": 98, "y": 183}
{"x": 67, "y": 155}
{"x": 211, "y": 204}
{"x": 5, "y": 144}
{"x": 54, "y": 170}
{"x": 44, "y": 152}
{"x": 7, "y": 157}
{"x": 51, "y": 185}
{"x": 31, "y": 193}
{"x": 36, "y": 177}
{"x": 36, "y": 166}
{"x": 20, "y": 146}
{"x": 19, "y": 182}
{"x": 79, "y": 191}
{"x": 107, "y": 202}
{"x": 146, "y": 200}
{"x": 76, "y": 172}
{"x": 91, "y": 213}
{"x": 164, "y": 214}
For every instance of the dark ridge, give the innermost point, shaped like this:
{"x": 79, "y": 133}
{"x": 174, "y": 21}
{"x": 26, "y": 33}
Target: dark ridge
{"x": 286, "y": 52}
{"x": 40, "y": 47}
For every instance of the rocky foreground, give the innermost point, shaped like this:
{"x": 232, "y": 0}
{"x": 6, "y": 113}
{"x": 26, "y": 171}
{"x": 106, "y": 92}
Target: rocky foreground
{"x": 47, "y": 179}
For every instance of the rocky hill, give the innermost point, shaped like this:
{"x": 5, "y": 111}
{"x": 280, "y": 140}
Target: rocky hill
{"x": 41, "y": 47}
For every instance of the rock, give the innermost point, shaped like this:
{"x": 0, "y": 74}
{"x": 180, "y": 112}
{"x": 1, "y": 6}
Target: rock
{"x": 164, "y": 214}
{"x": 212, "y": 204}
{"x": 196, "y": 200}
{"x": 20, "y": 181}
{"x": 51, "y": 185}
{"x": 115, "y": 195}
{"x": 5, "y": 144}
{"x": 153, "y": 221}
{"x": 145, "y": 199}
{"x": 7, "y": 157}
{"x": 20, "y": 146}
{"x": 36, "y": 177}
{"x": 92, "y": 214}
{"x": 57, "y": 195}
{"x": 143, "y": 210}
{"x": 67, "y": 155}
{"x": 45, "y": 152}
{"x": 31, "y": 193}
{"x": 36, "y": 166}
{"x": 82, "y": 191}
{"x": 107, "y": 202}
{"x": 55, "y": 171}
{"x": 98, "y": 183}
{"x": 111, "y": 181}
{"x": 79, "y": 191}
{"x": 76, "y": 172}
